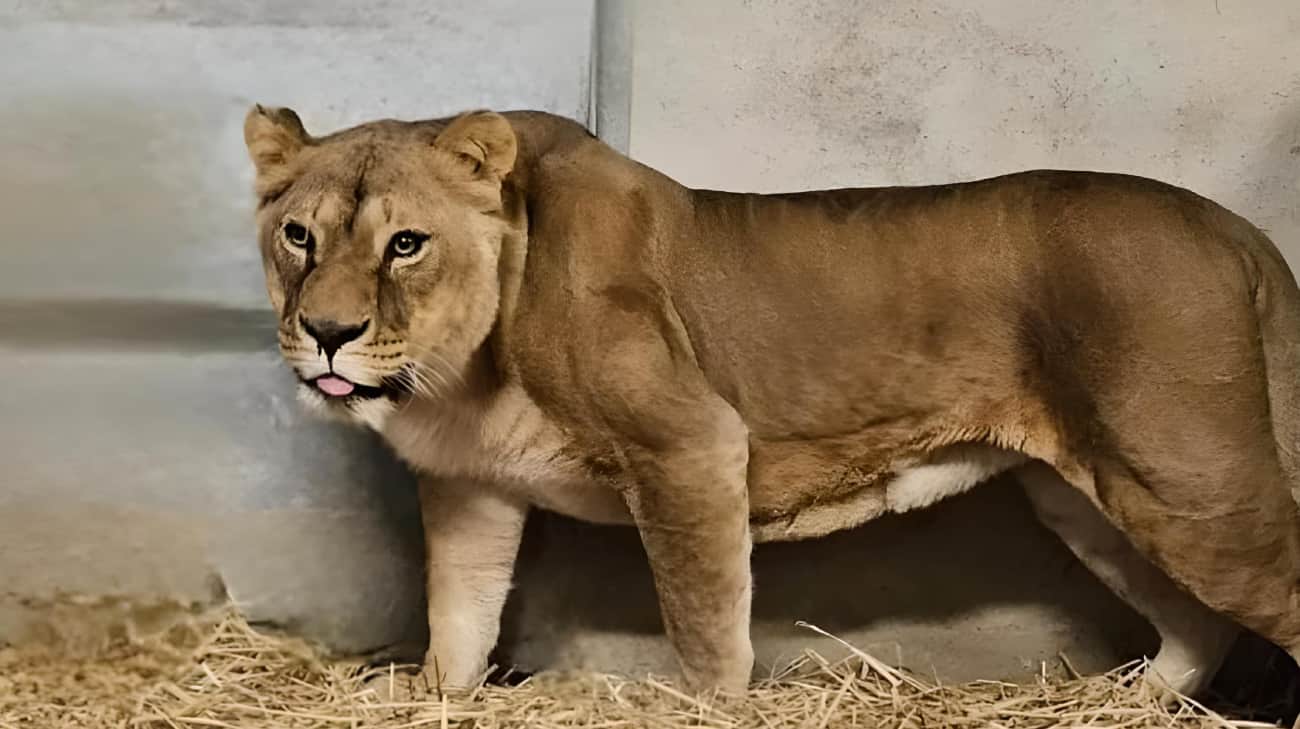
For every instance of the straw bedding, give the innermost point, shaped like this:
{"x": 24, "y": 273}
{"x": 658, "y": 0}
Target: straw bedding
{"x": 222, "y": 673}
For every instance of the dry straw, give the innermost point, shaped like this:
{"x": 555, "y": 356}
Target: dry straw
{"x": 225, "y": 674}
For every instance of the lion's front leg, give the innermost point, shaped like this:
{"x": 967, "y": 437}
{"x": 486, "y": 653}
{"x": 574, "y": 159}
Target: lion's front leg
{"x": 471, "y": 535}
{"x": 692, "y": 510}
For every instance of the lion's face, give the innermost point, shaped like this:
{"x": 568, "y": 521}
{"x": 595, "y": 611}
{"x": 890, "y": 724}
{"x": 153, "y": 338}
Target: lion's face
{"x": 380, "y": 246}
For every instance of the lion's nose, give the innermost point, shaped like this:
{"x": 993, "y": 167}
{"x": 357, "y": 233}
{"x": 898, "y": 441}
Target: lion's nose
{"x": 330, "y": 335}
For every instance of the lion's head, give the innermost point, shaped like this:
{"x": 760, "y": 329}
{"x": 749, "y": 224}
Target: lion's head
{"x": 381, "y": 247}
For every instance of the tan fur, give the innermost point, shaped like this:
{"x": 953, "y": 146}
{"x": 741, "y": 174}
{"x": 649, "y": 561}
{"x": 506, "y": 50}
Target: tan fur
{"x": 471, "y": 539}
{"x": 585, "y": 335}
{"x": 1194, "y": 640}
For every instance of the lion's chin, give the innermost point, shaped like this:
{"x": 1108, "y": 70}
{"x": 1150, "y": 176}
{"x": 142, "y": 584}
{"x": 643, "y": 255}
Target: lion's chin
{"x": 371, "y": 412}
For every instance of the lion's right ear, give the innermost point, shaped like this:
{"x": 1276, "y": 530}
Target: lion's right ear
{"x": 485, "y": 140}
{"x": 274, "y": 137}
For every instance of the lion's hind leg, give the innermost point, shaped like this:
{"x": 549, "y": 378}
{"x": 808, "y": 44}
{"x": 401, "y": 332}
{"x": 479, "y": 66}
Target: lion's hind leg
{"x": 1194, "y": 639}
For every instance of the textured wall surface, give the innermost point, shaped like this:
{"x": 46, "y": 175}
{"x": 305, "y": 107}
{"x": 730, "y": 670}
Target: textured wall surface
{"x": 822, "y": 93}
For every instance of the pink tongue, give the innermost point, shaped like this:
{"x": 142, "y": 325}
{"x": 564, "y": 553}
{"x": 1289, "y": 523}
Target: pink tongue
{"x": 333, "y": 385}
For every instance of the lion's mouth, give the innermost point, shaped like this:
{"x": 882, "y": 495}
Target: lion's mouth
{"x": 340, "y": 388}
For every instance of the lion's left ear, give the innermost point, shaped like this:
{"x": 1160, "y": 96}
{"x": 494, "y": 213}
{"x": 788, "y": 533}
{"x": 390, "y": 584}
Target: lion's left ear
{"x": 484, "y": 139}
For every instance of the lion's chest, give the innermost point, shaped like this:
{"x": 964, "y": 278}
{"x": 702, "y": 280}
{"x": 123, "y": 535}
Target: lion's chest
{"x": 508, "y": 443}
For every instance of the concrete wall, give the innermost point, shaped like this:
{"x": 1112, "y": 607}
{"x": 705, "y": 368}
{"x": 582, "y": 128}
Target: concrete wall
{"x": 821, "y": 93}
{"x": 151, "y": 449}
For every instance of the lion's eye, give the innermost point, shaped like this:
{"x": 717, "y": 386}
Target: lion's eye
{"x": 297, "y": 235}
{"x": 406, "y": 243}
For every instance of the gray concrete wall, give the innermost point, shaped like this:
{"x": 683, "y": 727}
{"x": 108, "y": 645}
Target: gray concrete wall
{"x": 820, "y": 93}
{"x": 151, "y": 444}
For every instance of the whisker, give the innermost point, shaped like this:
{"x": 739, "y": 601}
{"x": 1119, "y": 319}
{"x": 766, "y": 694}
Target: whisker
{"x": 426, "y": 368}
{"x": 427, "y": 378}
{"x": 415, "y": 382}
{"x": 418, "y": 381}
{"x": 449, "y": 371}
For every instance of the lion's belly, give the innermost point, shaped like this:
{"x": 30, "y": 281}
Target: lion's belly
{"x": 797, "y": 489}
{"x": 810, "y": 499}
{"x": 804, "y": 492}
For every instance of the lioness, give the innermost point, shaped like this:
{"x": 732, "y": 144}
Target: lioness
{"x": 533, "y": 320}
